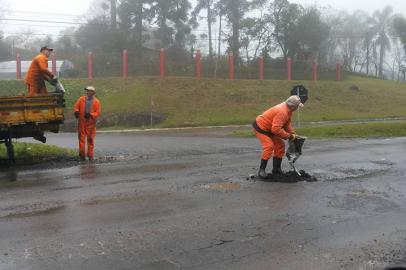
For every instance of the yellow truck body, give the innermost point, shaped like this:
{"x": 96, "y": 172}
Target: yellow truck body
{"x": 20, "y": 110}
{"x": 23, "y": 116}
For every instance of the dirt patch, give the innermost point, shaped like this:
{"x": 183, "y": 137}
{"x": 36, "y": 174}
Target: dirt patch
{"x": 11, "y": 169}
{"x": 35, "y": 212}
{"x": 224, "y": 186}
{"x": 354, "y": 87}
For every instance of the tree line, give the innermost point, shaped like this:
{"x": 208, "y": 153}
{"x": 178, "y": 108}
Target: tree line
{"x": 373, "y": 44}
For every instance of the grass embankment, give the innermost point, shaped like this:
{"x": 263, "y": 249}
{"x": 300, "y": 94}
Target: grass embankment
{"x": 367, "y": 130}
{"x": 32, "y": 153}
{"x": 180, "y": 102}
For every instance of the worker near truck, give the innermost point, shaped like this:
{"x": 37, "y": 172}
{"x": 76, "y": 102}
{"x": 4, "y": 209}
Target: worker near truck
{"x": 273, "y": 127}
{"x": 38, "y": 73}
{"x": 87, "y": 110}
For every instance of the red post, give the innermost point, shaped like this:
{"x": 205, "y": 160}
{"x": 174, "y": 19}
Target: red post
{"x": 314, "y": 70}
{"x": 162, "y": 63}
{"x": 338, "y": 72}
{"x": 198, "y": 68}
{"x": 289, "y": 69}
{"x": 53, "y": 62}
{"x": 18, "y": 66}
{"x": 261, "y": 68}
{"x": 125, "y": 64}
{"x": 231, "y": 66}
{"x": 90, "y": 65}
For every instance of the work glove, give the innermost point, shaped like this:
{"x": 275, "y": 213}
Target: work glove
{"x": 77, "y": 115}
{"x": 87, "y": 115}
{"x": 292, "y": 137}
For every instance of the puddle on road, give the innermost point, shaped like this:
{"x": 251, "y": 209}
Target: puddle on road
{"x": 223, "y": 186}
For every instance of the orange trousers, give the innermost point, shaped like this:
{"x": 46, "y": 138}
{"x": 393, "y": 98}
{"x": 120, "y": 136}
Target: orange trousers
{"x": 34, "y": 90}
{"x": 86, "y": 134}
{"x": 274, "y": 146}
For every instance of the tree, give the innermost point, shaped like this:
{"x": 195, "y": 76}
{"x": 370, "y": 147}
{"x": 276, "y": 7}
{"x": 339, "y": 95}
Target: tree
{"x": 311, "y": 33}
{"x": 382, "y": 23}
{"x": 399, "y": 26}
{"x": 98, "y": 8}
{"x": 207, "y": 5}
{"x": 398, "y": 58}
{"x": 4, "y": 49}
{"x": 347, "y": 38}
{"x": 97, "y": 35}
{"x": 66, "y": 42}
{"x": 254, "y": 36}
{"x": 234, "y": 11}
{"x": 113, "y": 14}
{"x": 133, "y": 14}
{"x": 283, "y": 18}
{"x": 171, "y": 16}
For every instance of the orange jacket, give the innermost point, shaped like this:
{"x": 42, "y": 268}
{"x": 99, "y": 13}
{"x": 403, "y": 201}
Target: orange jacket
{"x": 38, "y": 70}
{"x": 277, "y": 120}
{"x": 80, "y": 106}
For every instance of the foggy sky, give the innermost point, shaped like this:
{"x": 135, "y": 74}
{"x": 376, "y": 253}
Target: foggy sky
{"x": 69, "y": 10}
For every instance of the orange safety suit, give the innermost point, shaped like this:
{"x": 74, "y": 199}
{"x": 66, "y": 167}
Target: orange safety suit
{"x": 276, "y": 120}
{"x": 87, "y": 127}
{"x": 37, "y": 74}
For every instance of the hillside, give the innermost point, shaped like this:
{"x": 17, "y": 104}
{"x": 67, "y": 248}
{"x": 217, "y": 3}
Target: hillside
{"x": 178, "y": 101}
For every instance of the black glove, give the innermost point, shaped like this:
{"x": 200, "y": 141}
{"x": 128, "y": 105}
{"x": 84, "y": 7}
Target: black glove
{"x": 87, "y": 115}
{"x": 77, "y": 115}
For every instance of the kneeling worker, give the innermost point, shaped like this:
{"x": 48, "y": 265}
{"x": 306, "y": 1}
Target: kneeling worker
{"x": 271, "y": 128}
{"x": 87, "y": 110}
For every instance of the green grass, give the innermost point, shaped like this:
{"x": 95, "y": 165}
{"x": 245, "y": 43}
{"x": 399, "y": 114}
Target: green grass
{"x": 367, "y": 130}
{"x": 190, "y": 102}
{"x": 36, "y": 153}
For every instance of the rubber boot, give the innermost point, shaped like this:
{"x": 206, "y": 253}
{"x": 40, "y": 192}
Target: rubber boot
{"x": 277, "y": 162}
{"x": 261, "y": 173}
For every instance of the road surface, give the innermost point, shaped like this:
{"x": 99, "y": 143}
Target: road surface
{"x": 182, "y": 201}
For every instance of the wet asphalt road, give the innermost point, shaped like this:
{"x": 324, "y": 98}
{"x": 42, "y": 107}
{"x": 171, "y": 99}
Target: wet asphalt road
{"x": 182, "y": 201}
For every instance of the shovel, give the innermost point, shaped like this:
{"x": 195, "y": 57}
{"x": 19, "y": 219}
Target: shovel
{"x": 295, "y": 151}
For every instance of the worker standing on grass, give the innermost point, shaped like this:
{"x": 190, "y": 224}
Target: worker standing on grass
{"x": 87, "y": 110}
{"x": 38, "y": 72}
{"x": 271, "y": 128}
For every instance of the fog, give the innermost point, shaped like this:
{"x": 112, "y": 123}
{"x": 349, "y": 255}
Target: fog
{"x": 79, "y": 10}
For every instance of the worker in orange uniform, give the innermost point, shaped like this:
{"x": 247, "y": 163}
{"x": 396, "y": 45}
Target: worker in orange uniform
{"x": 87, "y": 110}
{"x": 271, "y": 128}
{"x": 38, "y": 72}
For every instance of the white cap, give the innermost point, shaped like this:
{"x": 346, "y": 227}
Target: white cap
{"x": 294, "y": 101}
{"x": 90, "y": 88}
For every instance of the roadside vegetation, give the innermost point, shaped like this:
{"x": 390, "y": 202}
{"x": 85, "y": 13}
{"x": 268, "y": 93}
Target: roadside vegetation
{"x": 33, "y": 153}
{"x": 365, "y": 130}
{"x": 180, "y": 102}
